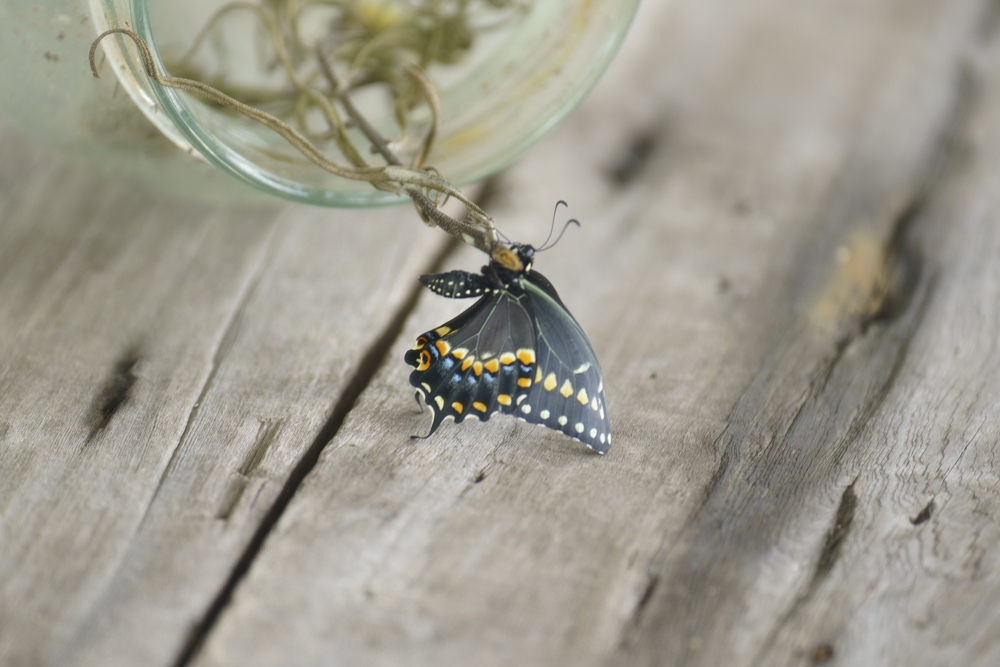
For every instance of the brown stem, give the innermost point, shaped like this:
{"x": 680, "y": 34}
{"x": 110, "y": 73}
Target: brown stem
{"x": 477, "y": 229}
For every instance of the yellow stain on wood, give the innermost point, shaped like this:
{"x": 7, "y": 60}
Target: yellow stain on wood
{"x": 861, "y": 282}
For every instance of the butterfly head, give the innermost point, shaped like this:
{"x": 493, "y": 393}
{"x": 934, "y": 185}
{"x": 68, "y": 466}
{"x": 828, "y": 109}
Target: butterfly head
{"x": 518, "y": 257}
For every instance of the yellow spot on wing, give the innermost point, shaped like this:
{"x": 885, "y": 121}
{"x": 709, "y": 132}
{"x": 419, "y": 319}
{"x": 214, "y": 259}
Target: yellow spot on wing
{"x": 492, "y": 366}
{"x": 479, "y": 406}
{"x": 507, "y": 358}
{"x": 503, "y": 399}
{"x": 477, "y": 368}
{"x": 468, "y": 362}
{"x": 460, "y": 353}
{"x": 458, "y": 407}
{"x": 526, "y": 357}
{"x": 442, "y": 347}
{"x": 582, "y": 397}
{"x": 550, "y": 382}
{"x": 538, "y": 375}
{"x": 442, "y": 331}
{"x": 567, "y": 389}
{"x": 440, "y": 402}
{"x": 524, "y": 382}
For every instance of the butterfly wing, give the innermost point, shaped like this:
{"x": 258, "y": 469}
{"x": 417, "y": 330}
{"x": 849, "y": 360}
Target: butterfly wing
{"x": 567, "y": 392}
{"x": 479, "y": 363}
{"x": 517, "y": 350}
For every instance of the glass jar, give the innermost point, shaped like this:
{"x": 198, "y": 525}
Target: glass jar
{"x": 491, "y": 113}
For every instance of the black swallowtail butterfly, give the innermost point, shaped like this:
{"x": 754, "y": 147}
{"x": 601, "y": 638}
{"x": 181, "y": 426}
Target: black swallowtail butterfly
{"x": 517, "y": 350}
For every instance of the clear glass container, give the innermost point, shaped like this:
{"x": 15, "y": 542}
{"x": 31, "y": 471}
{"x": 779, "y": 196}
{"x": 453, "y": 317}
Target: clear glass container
{"x": 492, "y": 110}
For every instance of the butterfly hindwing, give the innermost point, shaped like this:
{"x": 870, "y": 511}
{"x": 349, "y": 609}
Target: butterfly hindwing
{"x": 471, "y": 365}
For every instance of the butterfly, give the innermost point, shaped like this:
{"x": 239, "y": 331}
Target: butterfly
{"x": 517, "y": 350}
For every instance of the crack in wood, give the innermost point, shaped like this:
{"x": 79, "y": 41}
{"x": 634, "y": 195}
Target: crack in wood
{"x": 829, "y": 554}
{"x": 647, "y": 594}
{"x": 774, "y": 425}
{"x": 834, "y": 543}
{"x": 634, "y": 159}
{"x": 359, "y": 381}
{"x": 114, "y": 392}
{"x": 229, "y": 335}
{"x": 231, "y": 497}
{"x": 266, "y": 436}
{"x": 924, "y": 515}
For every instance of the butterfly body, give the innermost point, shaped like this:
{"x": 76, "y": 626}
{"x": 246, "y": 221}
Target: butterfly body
{"x": 517, "y": 351}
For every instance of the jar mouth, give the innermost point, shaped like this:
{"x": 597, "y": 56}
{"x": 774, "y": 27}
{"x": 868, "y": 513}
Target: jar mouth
{"x": 490, "y": 115}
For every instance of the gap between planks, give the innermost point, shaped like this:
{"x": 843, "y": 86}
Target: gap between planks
{"x": 359, "y": 381}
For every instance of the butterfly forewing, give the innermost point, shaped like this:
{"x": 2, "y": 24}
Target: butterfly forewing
{"x": 568, "y": 392}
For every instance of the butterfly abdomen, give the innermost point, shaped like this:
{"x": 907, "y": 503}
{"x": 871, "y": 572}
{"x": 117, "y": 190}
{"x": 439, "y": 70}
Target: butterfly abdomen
{"x": 457, "y": 284}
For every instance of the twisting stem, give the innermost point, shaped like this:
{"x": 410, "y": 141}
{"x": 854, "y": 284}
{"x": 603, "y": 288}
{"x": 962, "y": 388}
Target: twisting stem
{"x": 373, "y": 175}
{"x": 430, "y": 95}
{"x": 373, "y": 135}
{"x": 477, "y": 229}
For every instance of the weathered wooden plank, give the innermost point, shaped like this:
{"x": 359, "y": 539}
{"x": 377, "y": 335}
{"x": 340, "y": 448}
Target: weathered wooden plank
{"x": 334, "y": 284}
{"x": 165, "y": 368}
{"x": 918, "y": 580}
{"x": 111, "y": 305}
{"x": 743, "y": 291}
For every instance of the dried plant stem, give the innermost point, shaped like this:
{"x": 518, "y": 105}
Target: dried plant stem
{"x": 415, "y": 182}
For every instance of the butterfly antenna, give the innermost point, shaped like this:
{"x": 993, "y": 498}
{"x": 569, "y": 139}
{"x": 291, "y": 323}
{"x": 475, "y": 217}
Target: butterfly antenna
{"x": 572, "y": 221}
{"x": 552, "y": 227}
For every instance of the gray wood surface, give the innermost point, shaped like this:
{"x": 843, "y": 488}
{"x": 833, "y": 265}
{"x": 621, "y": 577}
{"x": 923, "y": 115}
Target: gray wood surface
{"x": 787, "y": 268}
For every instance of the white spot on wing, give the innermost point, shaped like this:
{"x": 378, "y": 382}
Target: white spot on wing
{"x": 563, "y": 420}
{"x": 544, "y": 414}
{"x": 582, "y": 369}
{"x": 579, "y": 427}
{"x": 526, "y": 409}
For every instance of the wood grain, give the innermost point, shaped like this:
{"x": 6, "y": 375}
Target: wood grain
{"x": 166, "y": 367}
{"x": 787, "y": 269}
{"x": 111, "y": 305}
{"x": 752, "y": 294}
